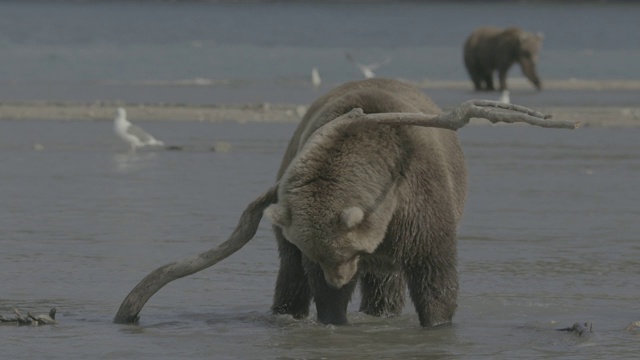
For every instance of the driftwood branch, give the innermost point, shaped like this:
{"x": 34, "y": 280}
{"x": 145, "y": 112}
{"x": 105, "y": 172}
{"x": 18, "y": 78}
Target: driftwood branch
{"x": 493, "y": 111}
{"x": 244, "y": 231}
{"x": 580, "y": 329}
{"x": 49, "y": 319}
{"x": 633, "y": 326}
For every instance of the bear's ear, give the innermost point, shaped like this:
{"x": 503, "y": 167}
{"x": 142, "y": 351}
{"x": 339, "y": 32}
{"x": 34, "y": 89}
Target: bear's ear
{"x": 351, "y": 217}
{"x": 278, "y": 214}
{"x": 540, "y": 36}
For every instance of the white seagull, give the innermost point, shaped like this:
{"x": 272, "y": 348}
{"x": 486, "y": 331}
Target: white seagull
{"x": 367, "y": 70}
{"x": 504, "y": 97}
{"x": 132, "y": 134}
{"x": 315, "y": 77}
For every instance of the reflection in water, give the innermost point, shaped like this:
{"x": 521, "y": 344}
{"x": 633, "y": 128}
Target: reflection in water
{"x": 133, "y": 161}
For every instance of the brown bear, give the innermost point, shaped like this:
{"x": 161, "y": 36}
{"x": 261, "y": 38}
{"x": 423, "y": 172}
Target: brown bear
{"x": 377, "y": 205}
{"x": 489, "y": 49}
{"x": 370, "y": 190}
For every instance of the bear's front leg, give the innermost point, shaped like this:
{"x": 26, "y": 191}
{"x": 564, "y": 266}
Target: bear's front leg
{"x": 433, "y": 287}
{"x": 292, "y": 295}
{"x": 502, "y": 76}
{"x": 382, "y": 295}
{"x": 331, "y": 303}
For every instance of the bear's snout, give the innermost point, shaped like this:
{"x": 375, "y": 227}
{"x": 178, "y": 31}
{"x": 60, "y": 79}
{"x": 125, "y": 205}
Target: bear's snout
{"x": 339, "y": 275}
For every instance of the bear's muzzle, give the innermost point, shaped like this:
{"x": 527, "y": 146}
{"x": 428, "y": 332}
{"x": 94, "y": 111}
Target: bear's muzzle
{"x": 338, "y": 275}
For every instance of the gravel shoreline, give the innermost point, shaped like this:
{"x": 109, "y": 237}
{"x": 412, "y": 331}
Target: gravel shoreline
{"x": 596, "y": 116}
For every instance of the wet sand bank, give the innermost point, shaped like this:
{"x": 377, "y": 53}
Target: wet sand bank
{"x": 595, "y": 116}
{"x": 264, "y": 112}
{"x": 606, "y": 102}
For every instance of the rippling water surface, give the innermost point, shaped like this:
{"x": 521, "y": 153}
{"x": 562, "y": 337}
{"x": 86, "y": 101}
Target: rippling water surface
{"x": 549, "y": 238}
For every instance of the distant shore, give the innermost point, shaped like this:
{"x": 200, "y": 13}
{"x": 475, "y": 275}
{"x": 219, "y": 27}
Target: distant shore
{"x": 596, "y": 116}
{"x": 599, "y": 103}
{"x": 97, "y": 111}
{"x": 549, "y": 84}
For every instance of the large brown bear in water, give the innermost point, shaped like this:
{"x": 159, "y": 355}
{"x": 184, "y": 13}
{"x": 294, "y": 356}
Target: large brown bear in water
{"x": 376, "y": 204}
{"x": 369, "y": 197}
{"x": 489, "y": 49}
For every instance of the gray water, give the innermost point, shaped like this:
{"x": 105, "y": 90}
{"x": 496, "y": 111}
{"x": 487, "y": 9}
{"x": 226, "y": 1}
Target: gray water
{"x": 549, "y": 238}
{"x": 200, "y": 53}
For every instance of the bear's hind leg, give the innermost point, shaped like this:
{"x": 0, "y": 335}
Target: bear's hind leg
{"x": 477, "y": 82}
{"x": 475, "y": 73}
{"x": 433, "y": 288}
{"x": 331, "y": 303}
{"x": 488, "y": 79}
{"x": 382, "y": 295}
{"x": 292, "y": 294}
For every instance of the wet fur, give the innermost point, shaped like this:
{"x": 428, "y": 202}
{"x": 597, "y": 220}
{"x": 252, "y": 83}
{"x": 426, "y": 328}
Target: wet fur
{"x": 410, "y": 182}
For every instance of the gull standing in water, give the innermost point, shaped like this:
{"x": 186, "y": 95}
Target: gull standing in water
{"x": 367, "y": 70}
{"x": 132, "y": 134}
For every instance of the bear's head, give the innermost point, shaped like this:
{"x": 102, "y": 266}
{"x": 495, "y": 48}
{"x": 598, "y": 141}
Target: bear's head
{"x": 530, "y": 45}
{"x": 333, "y": 237}
{"x": 329, "y": 242}
{"x": 334, "y": 213}
{"x": 528, "y": 52}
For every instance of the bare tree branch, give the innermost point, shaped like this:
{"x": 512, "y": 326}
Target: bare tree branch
{"x": 493, "y": 111}
{"x": 244, "y": 231}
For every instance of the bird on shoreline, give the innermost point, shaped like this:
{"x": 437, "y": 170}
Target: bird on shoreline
{"x": 315, "y": 77}
{"x": 132, "y": 134}
{"x": 367, "y": 70}
{"x": 504, "y": 97}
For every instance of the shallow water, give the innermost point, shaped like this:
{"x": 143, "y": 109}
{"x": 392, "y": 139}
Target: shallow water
{"x": 549, "y": 238}
{"x": 202, "y": 53}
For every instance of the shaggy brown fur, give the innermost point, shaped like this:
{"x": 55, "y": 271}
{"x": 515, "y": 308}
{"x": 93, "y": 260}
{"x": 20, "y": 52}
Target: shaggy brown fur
{"x": 377, "y": 204}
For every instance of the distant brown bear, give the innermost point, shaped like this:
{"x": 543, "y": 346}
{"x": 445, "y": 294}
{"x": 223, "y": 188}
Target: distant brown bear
{"x": 489, "y": 49}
